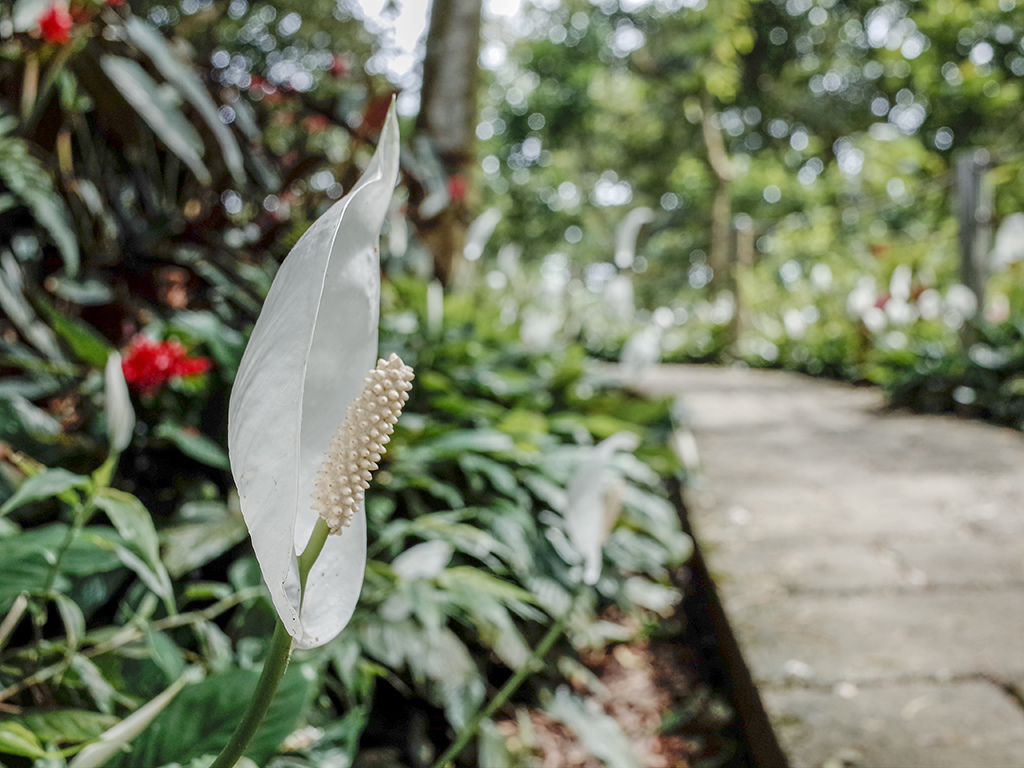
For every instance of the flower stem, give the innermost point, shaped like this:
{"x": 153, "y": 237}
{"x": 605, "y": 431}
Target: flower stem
{"x": 506, "y": 691}
{"x": 274, "y": 667}
{"x": 316, "y": 542}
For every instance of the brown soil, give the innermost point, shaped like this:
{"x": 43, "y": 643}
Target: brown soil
{"x": 644, "y": 686}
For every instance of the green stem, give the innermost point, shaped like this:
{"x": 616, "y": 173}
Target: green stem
{"x": 275, "y": 664}
{"x": 273, "y": 670}
{"x": 506, "y": 691}
{"x": 80, "y": 516}
{"x": 316, "y": 542}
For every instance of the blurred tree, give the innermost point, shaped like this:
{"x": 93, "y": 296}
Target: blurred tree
{"x": 600, "y": 107}
{"x": 447, "y": 118}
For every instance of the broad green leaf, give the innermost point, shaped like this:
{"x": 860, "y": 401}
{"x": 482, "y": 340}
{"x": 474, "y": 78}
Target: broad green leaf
{"x": 16, "y": 739}
{"x": 31, "y": 184}
{"x": 84, "y": 292}
{"x": 84, "y": 341}
{"x": 46, "y": 485}
{"x": 185, "y": 79}
{"x": 156, "y": 581}
{"x": 20, "y": 312}
{"x": 26, "y": 560}
{"x": 132, "y": 520}
{"x": 194, "y": 445}
{"x": 179, "y": 733}
{"x": 225, "y": 343}
{"x": 113, "y": 741}
{"x": 192, "y": 545}
{"x": 65, "y": 726}
{"x": 165, "y": 119}
{"x": 73, "y": 620}
{"x": 457, "y": 442}
{"x": 91, "y": 677}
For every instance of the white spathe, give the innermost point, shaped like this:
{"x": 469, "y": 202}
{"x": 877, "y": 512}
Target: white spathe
{"x": 588, "y": 520}
{"x": 118, "y": 406}
{"x": 312, "y": 346}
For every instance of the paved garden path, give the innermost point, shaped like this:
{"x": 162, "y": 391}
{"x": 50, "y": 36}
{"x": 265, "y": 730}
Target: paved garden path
{"x": 871, "y": 564}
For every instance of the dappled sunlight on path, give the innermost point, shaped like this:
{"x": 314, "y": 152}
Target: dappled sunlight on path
{"x": 871, "y": 564}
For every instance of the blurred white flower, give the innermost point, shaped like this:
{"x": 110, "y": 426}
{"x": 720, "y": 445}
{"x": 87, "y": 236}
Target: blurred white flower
{"x": 900, "y": 283}
{"x": 962, "y": 300}
{"x": 794, "y": 323}
{"x": 423, "y": 561}
{"x": 1009, "y": 244}
{"x": 862, "y": 297}
{"x": 479, "y": 232}
{"x": 593, "y": 501}
{"x": 821, "y": 277}
{"x": 626, "y": 235}
{"x": 305, "y": 363}
{"x": 120, "y": 414}
{"x": 618, "y": 299}
{"x": 929, "y": 304}
{"x": 641, "y": 350}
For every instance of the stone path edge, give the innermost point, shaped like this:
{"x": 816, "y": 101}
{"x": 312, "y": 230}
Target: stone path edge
{"x": 762, "y": 744}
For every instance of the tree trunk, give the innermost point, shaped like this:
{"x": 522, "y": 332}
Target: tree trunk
{"x": 448, "y": 118}
{"x": 719, "y": 256}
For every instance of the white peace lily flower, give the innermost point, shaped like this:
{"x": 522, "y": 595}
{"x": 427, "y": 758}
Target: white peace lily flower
{"x": 120, "y": 414}
{"x": 301, "y": 377}
{"x": 592, "y": 507}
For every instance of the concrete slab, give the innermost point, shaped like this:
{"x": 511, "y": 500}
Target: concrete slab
{"x": 871, "y": 564}
{"x": 828, "y": 639}
{"x": 953, "y": 725}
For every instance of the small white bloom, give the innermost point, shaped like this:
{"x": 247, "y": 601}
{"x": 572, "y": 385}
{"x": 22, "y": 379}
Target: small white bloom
{"x": 593, "y": 502}
{"x": 626, "y": 235}
{"x": 120, "y": 414}
{"x": 423, "y": 561}
{"x": 310, "y": 350}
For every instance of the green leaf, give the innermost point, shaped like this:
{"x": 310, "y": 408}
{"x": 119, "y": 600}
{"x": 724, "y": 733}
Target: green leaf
{"x": 16, "y": 739}
{"x": 66, "y": 726}
{"x": 225, "y": 343}
{"x": 26, "y": 559}
{"x": 194, "y": 445}
{"x": 85, "y": 342}
{"x": 165, "y": 119}
{"x": 31, "y": 184}
{"x": 48, "y": 484}
{"x": 194, "y": 544}
{"x": 184, "y": 78}
{"x": 14, "y": 304}
{"x": 179, "y": 733}
{"x": 114, "y": 740}
{"x": 73, "y": 620}
{"x": 132, "y": 520}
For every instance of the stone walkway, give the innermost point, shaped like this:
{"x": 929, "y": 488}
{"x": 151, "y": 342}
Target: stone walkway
{"x": 871, "y": 565}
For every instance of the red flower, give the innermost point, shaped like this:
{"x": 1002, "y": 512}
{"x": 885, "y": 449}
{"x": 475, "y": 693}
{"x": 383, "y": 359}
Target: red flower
{"x": 457, "y": 186}
{"x": 55, "y": 24}
{"x": 315, "y": 123}
{"x": 339, "y": 65}
{"x": 147, "y": 364}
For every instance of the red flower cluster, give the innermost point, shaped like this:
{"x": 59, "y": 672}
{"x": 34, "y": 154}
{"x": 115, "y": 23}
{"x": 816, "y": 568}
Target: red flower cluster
{"x": 147, "y": 364}
{"x": 55, "y": 24}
